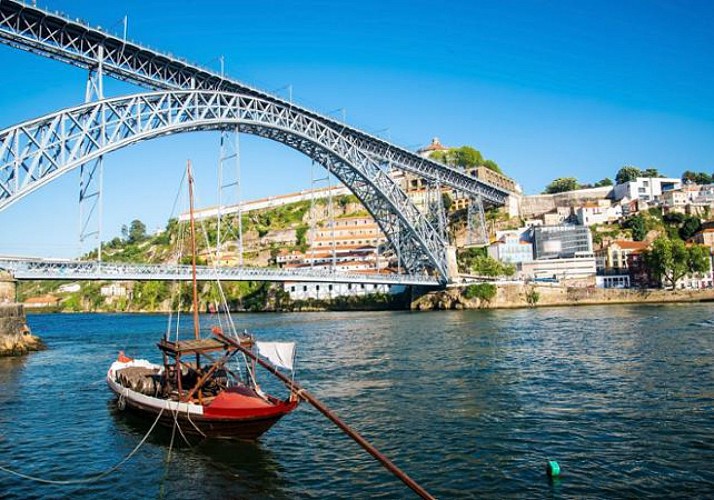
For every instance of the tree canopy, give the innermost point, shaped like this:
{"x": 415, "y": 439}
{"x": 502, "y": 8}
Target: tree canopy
{"x": 562, "y": 184}
{"x": 136, "y": 231}
{"x": 671, "y": 259}
{"x": 464, "y": 157}
{"x": 697, "y": 177}
{"x": 630, "y": 173}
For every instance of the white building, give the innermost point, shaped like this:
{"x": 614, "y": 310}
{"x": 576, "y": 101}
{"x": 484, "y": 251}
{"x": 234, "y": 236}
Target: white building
{"x": 577, "y": 268}
{"x": 511, "y": 247}
{"x": 69, "y": 288}
{"x": 645, "y": 188}
{"x": 327, "y": 291}
{"x": 600, "y": 212}
{"x": 115, "y": 290}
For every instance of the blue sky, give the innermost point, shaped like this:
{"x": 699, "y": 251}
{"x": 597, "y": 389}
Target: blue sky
{"x": 546, "y": 89}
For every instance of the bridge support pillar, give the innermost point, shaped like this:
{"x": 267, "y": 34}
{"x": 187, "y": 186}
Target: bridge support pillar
{"x": 451, "y": 263}
{"x": 15, "y": 336}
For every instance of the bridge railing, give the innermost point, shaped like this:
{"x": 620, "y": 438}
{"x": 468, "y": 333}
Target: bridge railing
{"x": 91, "y": 270}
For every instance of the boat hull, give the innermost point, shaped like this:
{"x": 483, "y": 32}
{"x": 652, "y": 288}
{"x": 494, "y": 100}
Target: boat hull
{"x": 197, "y": 420}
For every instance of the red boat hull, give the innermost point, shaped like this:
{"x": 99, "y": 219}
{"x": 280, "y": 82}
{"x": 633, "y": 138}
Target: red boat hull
{"x": 249, "y": 427}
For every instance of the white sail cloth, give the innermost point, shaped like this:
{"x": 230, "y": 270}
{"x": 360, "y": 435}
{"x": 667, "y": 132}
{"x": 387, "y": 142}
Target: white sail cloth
{"x": 281, "y": 354}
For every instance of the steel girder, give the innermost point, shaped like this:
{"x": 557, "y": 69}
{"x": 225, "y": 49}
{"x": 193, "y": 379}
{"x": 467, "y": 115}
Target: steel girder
{"x": 52, "y": 35}
{"x": 36, "y": 152}
{"x": 39, "y": 269}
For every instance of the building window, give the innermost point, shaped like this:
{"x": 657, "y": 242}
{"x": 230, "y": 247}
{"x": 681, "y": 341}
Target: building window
{"x": 292, "y": 288}
{"x": 304, "y": 288}
{"x": 329, "y": 287}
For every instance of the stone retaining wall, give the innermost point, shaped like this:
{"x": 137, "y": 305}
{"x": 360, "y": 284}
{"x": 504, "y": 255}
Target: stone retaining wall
{"x": 520, "y": 295}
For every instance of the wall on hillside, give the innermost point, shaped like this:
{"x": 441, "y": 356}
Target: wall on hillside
{"x": 539, "y": 204}
{"x": 7, "y": 288}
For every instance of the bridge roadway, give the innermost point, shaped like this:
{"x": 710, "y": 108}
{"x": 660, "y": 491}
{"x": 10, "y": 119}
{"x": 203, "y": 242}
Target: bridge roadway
{"x": 44, "y": 269}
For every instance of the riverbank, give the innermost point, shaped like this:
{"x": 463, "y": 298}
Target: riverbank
{"x": 515, "y": 296}
{"x": 15, "y": 336}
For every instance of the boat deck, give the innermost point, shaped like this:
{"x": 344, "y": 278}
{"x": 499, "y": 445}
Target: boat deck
{"x": 208, "y": 344}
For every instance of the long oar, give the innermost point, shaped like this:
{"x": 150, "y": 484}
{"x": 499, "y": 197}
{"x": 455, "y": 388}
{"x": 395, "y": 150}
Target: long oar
{"x": 304, "y": 394}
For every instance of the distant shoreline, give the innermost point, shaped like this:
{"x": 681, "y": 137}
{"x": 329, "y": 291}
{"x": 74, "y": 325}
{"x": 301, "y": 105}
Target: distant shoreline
{"x": 507, "y": 297}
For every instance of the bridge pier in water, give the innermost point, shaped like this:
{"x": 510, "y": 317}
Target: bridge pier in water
{"x": 15, "y": 338}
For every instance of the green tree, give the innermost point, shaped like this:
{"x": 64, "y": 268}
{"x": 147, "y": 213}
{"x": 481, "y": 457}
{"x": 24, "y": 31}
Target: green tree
{"x": 136, "y": 232}
{"x": 562, "y": 184}
{"x": 482, "y": 291}
{"x": 671, "y": 260}
{"x": 696, "y": 177}
{"x": 150, "y": 294}
{"x": 690, "y": 225}
{"x": 627, "y": 174}
{"x": 638, "y": 226}
{"x": 604, "y": 182}
{"x": 488, "y": 266}
{"x": 651, "y": 172}
{"x": 441, "y": 157}
{"x": 467, "y": 157}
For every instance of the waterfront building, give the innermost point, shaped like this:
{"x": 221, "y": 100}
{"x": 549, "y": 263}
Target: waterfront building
{"x": 561, "y": 242}
{"x": 613, "y": 257}
{"x": 511, "y": 246}
{"x": 328, "y": 291}
{"x": 580, "y": 268}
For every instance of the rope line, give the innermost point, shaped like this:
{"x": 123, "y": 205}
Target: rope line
{"x": 92, "y": 478}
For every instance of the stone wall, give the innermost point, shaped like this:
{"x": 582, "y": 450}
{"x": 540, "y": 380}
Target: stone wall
{"x": 7, "y": 288}
{"x": 15, "y": 338}
{"x": 536, "y": 205}
{"x": 521, "y": 295}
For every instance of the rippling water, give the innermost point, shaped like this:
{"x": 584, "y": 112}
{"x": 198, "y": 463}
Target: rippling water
{"x": 470, "y": 404}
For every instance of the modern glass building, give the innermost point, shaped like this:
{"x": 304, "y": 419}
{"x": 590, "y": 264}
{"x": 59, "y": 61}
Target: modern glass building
{"x": 561, "y": 242}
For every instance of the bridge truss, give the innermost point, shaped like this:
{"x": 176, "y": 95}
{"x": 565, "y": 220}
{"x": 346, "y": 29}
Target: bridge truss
{"x": 42, "y": 269}
{"x": 36, "y": 152}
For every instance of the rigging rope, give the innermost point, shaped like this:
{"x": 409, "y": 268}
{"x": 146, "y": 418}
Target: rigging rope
{"x": 92, "y": 478}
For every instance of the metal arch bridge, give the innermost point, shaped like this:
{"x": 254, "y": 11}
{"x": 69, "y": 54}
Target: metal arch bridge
{"x": 37, "y": 152}
{"x": 44, "y": 269}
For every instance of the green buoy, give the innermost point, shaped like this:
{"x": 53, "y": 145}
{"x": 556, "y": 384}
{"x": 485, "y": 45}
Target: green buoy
{"x": 552, "y": 468}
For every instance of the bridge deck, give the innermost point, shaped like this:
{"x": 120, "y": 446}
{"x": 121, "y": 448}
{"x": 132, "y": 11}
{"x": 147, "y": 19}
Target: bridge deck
{"x": 40, "y": 269}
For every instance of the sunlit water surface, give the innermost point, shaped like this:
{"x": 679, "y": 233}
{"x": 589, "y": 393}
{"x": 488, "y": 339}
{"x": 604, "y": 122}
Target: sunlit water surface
{"x": 470, "y": 404}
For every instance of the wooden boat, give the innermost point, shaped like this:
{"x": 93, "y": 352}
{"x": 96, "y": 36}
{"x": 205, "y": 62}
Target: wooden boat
{"x": 206, "y": 402}
{"x": 197, "y": 387}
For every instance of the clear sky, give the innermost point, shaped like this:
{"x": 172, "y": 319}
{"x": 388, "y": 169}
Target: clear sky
{"x": 546, "y": 89}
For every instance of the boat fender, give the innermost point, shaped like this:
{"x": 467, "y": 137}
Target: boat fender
{"x": 121, "y": 403}
{"x": 552, "y": 468}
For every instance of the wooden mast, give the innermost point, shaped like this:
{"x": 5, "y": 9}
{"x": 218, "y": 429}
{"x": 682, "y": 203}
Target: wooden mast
{"x": 196, "y": 329}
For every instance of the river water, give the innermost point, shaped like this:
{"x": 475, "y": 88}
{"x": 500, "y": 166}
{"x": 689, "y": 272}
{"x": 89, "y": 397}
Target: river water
{"x": 469, "y": 403}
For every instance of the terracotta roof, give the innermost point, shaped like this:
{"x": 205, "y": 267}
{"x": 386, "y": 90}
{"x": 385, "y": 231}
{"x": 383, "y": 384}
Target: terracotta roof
{"x": 631, "y": 245}
{"x": 42, "y": 300}
{"x": 434, "y": 146}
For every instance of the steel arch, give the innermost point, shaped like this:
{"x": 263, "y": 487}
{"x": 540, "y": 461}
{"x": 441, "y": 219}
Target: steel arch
{"x": 38, "y": 151}
{"x": 53, "y": 35}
